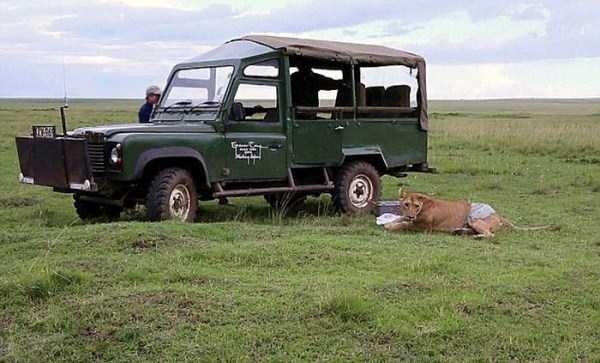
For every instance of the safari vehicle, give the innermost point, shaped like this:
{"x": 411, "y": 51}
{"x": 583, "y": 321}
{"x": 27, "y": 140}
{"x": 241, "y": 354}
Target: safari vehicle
{"x": 260, "y": 115}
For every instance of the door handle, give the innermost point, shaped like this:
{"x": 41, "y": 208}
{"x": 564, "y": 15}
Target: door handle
{"x": 339, "y": 128}
{"x": 275, "y": 147}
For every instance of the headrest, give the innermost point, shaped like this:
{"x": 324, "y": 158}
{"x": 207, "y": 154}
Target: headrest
{"x": 397, "y": 96}
{"x": 374, "y": 96}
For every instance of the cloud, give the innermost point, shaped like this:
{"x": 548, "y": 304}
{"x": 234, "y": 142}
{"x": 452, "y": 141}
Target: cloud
{"x": 551, "y": 26}
{"x": 28, "y": 78}
{"x": 452, "y": 29}
{"x": 530, "y": 12}
{"x": 541, "y": 79}
{"x": 518, "y": 33}
{"x": 117, "y": 40}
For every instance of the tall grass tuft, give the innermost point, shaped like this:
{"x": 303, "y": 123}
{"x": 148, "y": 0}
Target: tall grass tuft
{"x": 41, "y": 286}
{"x": 561, "y": 136}
{"x": 350, "y": 308}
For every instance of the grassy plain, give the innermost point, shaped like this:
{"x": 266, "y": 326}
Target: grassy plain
{"x": 247, "y": 285}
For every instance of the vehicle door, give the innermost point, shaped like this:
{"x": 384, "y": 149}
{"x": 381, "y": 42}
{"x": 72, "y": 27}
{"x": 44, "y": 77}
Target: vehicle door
{"x": 317, "y": 131}
{"x": 318, "y": 139}
{"x": 254, "y": 132}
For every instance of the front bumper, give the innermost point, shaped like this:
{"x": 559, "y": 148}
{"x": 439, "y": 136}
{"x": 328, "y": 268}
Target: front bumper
{"x": 62, "y": 163}
{"x": 87, "y": 185}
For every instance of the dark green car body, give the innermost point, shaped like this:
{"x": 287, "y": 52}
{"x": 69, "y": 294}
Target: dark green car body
{"x": 233, "y": 156}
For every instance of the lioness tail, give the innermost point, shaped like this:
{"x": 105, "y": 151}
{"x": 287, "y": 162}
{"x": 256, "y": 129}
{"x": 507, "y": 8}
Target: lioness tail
{"x": 519, "y": 228}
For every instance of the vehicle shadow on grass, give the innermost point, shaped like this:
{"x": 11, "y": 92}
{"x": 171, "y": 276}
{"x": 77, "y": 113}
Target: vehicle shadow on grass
{"x": 254, "y": 210}
{"x": 260, "y": 212}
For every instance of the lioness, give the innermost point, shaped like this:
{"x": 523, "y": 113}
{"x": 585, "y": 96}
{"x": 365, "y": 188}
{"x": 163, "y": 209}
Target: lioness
{"x": 423, "y": 213}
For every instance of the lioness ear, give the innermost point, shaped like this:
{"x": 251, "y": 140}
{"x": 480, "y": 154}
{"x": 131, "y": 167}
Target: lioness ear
{"x": 401, "y": 193}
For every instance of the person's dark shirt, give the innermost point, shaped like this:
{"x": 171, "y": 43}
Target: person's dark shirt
{"x": 145, "y": 112}
{"x": 306, "y": 87}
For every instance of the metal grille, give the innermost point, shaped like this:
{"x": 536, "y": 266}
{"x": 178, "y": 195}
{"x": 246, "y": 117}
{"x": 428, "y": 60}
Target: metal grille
{"x": 97, "y": 157}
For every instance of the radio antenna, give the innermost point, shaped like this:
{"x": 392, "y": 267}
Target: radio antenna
{"x": 63, "y": 117}
{"x": 64, "y": 72}
{"x": 63, "y": 34}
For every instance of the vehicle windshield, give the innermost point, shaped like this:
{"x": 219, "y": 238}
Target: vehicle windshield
{"x": 197, "y": 87}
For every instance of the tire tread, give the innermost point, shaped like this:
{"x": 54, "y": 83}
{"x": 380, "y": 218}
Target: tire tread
{"x": 344, "y": 179}
{"x": 159, "y": 192}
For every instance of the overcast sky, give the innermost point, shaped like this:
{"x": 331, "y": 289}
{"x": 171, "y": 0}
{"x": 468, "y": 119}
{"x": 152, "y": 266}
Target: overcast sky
{"x": 474, "y": 48}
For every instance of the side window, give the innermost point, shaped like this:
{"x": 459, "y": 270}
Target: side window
{"x": 254, "y": 102}
{"x": 388, "y": 87}
{"x": 266, "y": 69}
{"x": 319, "y": 88}
{"x": 327, "y": 98}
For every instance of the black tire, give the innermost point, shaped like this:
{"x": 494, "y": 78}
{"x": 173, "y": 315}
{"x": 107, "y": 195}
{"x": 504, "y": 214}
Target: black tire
{"x": 89, "y": 210}
{"x": 291, "y": 202}
{"x": 172, "y": 184}
{"x": 364, "y": 179}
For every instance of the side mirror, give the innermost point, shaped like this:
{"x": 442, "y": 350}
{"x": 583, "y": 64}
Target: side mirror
{"x": 238, "y": 113}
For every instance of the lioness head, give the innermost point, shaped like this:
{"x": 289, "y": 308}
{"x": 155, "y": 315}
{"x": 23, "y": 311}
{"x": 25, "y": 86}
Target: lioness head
{"x": 411, "y": 204}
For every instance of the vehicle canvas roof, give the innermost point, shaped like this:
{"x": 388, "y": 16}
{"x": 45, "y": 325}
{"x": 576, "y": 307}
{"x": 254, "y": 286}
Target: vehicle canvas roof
{"x": 360, "y": 54}
{"x": 364, "y": 54}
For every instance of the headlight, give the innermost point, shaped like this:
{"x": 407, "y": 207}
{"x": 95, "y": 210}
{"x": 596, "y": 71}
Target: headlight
{"x": 116, "y": 155}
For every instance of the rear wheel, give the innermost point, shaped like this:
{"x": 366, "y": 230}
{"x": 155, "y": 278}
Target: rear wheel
{"x": 87, "y": 210}
{"x": 357, "y": 188}
{"x": 172, "y": 195}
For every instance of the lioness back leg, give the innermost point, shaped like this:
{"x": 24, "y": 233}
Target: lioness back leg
{"x": 495, "y": 221}
{"x": 482, "y": 227}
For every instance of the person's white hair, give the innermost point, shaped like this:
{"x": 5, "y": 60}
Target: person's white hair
{"x": 153, "y": 90}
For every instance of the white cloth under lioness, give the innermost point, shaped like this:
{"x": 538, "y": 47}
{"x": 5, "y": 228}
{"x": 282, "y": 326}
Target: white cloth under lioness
{"x": 480, "y": 211}
{"x": 386, "y": 218}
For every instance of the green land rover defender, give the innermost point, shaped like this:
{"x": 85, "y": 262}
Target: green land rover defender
{"x": 260, "y": 115}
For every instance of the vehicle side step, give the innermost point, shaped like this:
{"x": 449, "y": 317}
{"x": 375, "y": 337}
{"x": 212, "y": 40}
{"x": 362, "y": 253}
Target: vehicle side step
{"x": 260, "y": 191}
{"x": 291, "y": 188}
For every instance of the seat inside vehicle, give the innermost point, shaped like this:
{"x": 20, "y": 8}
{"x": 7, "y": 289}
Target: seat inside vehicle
{"x": 374, "y": 96}
{"x": 344, "y": 96}
{"x": 397, "y": 96}
{"x": 272, "y": 115}
{"x": 344, "y": 99}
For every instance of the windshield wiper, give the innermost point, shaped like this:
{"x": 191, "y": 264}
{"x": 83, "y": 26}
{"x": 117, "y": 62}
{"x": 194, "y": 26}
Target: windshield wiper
{"x": 205, "y": 105}
{"x": 175, "y": 105}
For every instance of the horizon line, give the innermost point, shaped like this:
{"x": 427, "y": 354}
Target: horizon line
{"x": 431, "y": 99}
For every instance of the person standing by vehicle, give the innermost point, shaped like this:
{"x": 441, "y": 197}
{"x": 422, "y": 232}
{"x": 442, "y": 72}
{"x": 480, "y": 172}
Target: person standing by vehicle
{"x": 306, "y": 85}
{"x": 152, "y": 98}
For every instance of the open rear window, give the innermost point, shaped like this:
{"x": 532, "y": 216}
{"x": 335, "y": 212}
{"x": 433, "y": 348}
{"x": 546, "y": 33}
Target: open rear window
{"x": 387, "y": 91}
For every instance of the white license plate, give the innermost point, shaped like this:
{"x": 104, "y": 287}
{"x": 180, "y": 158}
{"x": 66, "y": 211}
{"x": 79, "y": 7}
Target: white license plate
{"x": 46, "y": 132}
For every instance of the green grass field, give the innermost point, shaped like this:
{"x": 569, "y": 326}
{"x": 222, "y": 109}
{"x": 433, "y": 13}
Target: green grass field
{"x": 244, "y": 284}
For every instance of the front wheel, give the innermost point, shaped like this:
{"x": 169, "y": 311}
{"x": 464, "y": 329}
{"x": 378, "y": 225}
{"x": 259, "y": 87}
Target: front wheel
{"x": 357, "y": 188}
{"x": 172, "y": 195}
